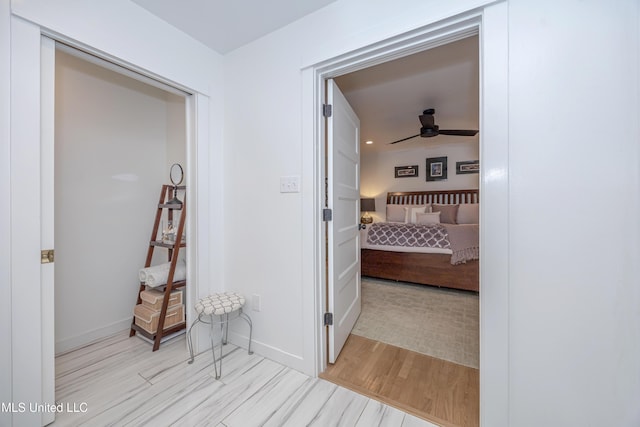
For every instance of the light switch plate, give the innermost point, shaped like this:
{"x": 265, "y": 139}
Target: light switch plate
{"x": 289, "y": 184}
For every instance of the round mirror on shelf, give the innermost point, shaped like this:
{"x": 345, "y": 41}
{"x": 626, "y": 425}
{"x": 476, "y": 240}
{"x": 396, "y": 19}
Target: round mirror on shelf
{"x": 176, "y": 174}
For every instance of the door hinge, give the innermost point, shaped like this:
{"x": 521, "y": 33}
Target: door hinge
{"x": 327, "y": 214}
{"x": 46, "y": 256}
{"x": 326, "y": 110}
{"x": 328, "y": 319}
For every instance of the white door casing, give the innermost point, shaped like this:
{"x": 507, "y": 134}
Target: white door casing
{"x": 343, "y": 173}
{"x": 491, "y": 22}
{"x": 26, "y": 315}
{"x": 47, "y": 270}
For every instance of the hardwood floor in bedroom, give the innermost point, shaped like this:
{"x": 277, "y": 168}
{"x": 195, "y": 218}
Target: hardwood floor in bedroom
{"x": 437, "y": 390}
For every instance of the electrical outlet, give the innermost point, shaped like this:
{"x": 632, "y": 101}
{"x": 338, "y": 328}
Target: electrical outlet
{"x": 289, "y": 184}
{"x": 255, "y": 302}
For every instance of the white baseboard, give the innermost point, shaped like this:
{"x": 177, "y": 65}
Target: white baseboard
{"x": 278, "y": 355}
{"x": 85, "y": 338}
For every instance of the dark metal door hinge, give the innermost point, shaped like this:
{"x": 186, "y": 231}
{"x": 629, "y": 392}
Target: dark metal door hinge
{"x": 327, "y": 214}
{"x": 326, "y": 110}
{"x": 328, "y": 319}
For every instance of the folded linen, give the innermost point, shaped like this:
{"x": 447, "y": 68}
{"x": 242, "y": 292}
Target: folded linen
{"x": 157, "y": 275}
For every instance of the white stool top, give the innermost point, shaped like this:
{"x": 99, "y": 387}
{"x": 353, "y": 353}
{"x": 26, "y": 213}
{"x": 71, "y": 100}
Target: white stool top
{"x": 218, "y": 304}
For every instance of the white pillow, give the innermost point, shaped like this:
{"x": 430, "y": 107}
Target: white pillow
{"x": 468, "y": 213}
{"x": 428, "y": 218}
{"x": 411, "y": 212}
{"x": 398, "y": 213}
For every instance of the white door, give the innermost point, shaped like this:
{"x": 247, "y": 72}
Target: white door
{"x": 47, "y": 117}
{"x": 343, "y": 174}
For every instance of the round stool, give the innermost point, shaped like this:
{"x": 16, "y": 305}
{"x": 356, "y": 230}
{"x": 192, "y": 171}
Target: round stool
{"x": 215, "y": 310}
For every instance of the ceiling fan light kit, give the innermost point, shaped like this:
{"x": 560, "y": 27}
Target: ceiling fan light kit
{"x": 429, "y": 129}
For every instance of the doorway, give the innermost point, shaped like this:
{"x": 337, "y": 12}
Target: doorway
{"x": 490, "y": 24}
{"x": 402, "y": 326}
{"x": 31, "y": 123}
{"x": 116, "y": 135}
{"x": 115, "y": 140}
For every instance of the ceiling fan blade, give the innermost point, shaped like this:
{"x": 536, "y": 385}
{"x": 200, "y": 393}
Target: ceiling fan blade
{"x": 458, "y": 132}
{"x": 404, "y": 139}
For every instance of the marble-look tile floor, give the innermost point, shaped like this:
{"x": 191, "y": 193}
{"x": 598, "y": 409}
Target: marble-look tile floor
{"x": 119, "y": 381}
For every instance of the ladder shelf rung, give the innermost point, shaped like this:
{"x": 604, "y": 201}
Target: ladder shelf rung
{"x": 174, "y": 285}
{"x": 167, "y": 245}
{"x": 170, "y": 206}
{"x": 166, "y": 331}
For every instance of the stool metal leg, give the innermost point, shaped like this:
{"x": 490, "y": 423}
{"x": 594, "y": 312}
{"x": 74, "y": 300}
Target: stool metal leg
{"x": 224, "y": 333}
{"x": 247, "y": 319}
{"x": 226, "y": 328}
{"x": 190, "y": 341}
{"x": 213, "y": 350}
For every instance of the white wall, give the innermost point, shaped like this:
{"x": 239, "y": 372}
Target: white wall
{"x": 574, "y": 300}
{"x": 115, "y": 138}
{"x": 5, "y": 218}
{"x": 377, "y": 174}
{"x": 175, "y": 128}
{"x": 574, "y": 327}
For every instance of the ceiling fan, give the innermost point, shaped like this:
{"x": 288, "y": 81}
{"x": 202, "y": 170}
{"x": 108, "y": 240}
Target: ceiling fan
{"x": 429, "y": 129}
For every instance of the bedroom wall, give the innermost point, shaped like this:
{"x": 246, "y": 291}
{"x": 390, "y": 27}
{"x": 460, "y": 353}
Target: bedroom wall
{"x": 377, "y": 173}
{"x": 573, "y": 322}
{"x": 115, "y": 139}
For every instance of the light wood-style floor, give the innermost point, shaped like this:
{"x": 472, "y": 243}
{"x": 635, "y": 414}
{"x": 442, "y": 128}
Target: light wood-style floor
{"x": 440, "y": 391}
{"x": 119, "y": 381}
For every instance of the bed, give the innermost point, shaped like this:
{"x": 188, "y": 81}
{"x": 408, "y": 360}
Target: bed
{"x": 436, "y": 268}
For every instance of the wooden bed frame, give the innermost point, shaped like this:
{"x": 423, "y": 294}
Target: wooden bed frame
{"x": 426, "y": 269}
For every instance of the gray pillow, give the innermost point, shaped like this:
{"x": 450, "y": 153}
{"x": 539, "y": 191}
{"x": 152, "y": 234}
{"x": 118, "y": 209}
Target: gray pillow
{"x": 469, "y": 213}
{"x": 398, "y": 213}
{"x": 448, "y": 213}
{"x": 395, "y": 213}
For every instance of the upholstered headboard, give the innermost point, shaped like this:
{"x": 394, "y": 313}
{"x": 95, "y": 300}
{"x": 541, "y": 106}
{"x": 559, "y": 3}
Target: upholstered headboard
{"x": 438, "y": 197}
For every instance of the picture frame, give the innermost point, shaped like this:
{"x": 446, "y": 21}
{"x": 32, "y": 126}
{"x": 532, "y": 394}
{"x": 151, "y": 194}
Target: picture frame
{"x": 406, "y": 171}
{"x": 469, "y": 166}
{"x": 436, "y": 168}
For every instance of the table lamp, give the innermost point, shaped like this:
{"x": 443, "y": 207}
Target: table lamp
{"x": 366, "y": 206}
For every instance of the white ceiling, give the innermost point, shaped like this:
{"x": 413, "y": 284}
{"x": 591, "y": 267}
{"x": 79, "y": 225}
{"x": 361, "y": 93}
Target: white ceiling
{"x": 225, "y": 25}
{"x": 388, "y": 98}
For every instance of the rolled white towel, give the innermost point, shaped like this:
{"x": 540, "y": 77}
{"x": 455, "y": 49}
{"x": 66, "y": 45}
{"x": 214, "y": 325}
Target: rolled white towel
{"x": 142, "y": 274}
{"x": 157, "y": 275}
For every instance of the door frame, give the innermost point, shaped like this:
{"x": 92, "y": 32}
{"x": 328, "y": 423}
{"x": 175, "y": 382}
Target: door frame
{"x": 491, "y": 24}
{"x": 27, "y": 130}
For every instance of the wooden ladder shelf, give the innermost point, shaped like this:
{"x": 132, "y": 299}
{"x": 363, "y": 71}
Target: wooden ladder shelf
{"x": 173, "y": 249}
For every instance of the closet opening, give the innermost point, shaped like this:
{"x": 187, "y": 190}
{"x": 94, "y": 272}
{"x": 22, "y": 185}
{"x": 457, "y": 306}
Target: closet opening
{"x": 116, "y": 135}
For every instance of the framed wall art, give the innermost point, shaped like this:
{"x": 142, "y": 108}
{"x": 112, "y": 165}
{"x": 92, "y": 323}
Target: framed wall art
{"x": 406, "y": 171}
{"x": 470, "y": 166}
{"x": 436, "y": 168}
